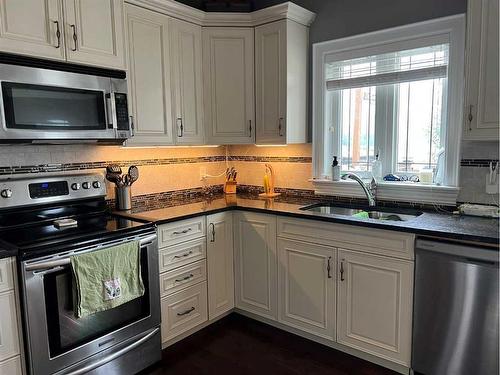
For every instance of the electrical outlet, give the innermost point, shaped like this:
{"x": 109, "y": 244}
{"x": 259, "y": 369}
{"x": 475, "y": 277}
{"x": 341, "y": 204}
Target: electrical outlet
{"x": 203, "y": 173}
{"x": 491, "y": 188}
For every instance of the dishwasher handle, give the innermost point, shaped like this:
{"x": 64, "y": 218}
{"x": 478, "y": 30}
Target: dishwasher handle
{"x": 474, "y": 253}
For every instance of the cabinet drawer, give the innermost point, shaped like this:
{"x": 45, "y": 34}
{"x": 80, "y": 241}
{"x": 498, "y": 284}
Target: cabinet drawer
{"x": 182, "y": 277}
{"x": 9, "y": 339}
{"x": 6, "y": 277}
{"x": 370, "y": 240}
{"x": 183, "y": 310}
{"x": 182, "y": 254}
{"x": 180, "y": 231}
{"x": 11, "y": 366}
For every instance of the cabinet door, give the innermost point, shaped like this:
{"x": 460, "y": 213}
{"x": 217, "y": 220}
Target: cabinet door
{"x": 149, "y": 76}
{"x": 271, "y": 82}
{"x": 256, "y": 263}
{"x": 220, "y": 263}
{"x": 9, "y": 339}
{"x": 187, "y": 80}
{"x": 481, "y": 113}
{"x": 306, "y": 287}
{"x": 374, "y": 306}
{"x": 94, "y": 32}
{"x": 229, "y": 85}
{"x": 30, "y": 27}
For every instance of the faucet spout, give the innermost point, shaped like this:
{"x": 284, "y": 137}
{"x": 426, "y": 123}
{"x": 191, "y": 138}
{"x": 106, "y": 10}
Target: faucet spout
{"x": 369, "y": 191}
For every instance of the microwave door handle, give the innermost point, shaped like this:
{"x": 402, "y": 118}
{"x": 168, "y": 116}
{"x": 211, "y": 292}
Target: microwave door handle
{"x": 110, "y": 110}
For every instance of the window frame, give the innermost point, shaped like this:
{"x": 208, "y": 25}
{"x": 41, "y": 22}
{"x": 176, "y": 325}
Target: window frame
{"x": 449, "y": 30}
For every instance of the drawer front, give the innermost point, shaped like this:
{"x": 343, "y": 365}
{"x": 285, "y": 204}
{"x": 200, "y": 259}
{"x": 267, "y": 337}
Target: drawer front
{"x": 11, "y": 366}
{"x": 371, "y": 240}
{"x": 180, "y": 231}
{"x": 182, "y": 254}
{"x": 9, "y": 339}
{"x": 183, "y": 277}
{"x": 183, "y": 310}
{"x": 6, "y": 277}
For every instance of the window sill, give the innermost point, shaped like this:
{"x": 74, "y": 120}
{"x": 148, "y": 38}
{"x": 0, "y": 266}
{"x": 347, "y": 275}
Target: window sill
{"x": 392, "y": 191}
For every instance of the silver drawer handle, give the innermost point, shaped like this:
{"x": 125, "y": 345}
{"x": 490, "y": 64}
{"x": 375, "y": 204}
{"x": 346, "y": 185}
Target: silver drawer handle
{"x": 189, "y": 311}
{"x": 190, "y": 276}
{"x": 183, "y": 231}
{"x": 183, "y": 255}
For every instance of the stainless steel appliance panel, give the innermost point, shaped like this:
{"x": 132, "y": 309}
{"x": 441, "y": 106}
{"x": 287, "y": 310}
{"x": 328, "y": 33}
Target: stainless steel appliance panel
{"x": 456, "y": 313}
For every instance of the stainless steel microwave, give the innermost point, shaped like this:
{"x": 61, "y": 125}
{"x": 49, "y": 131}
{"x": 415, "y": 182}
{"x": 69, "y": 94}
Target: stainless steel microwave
{"x": 41, "y": 105}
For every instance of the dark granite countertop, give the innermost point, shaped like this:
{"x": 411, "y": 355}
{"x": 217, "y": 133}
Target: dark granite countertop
{"x": 430, "y": 223}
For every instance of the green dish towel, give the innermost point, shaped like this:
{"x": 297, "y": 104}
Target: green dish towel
{"x": 362, "y": 215}
{"x": 106, "y": 278}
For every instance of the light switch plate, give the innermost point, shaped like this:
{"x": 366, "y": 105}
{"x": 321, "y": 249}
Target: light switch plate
{"x": 491, "y": 188}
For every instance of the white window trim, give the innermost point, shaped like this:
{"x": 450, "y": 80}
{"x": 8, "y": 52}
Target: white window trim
{"x": 447, "y": 29}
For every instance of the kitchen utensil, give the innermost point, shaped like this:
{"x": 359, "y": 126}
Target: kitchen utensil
{"x": 133, "y": 173}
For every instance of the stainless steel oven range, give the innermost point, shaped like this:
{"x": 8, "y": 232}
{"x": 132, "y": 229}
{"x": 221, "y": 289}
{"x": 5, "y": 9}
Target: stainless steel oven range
{"x": 54, "y": 102}
{"x": 61, "y": 220}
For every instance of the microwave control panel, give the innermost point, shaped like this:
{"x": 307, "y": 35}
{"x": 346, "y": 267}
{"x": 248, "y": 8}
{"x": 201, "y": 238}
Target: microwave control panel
{"x": 121, "y": 107}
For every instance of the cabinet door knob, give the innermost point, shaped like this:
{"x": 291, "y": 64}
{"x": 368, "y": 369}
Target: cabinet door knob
{"x": 250, "y": 127}
{"x": 470, "y": 117}
{"x": 342, "y": 270}
{"x": 212, "y": 226}
{"x": 329, "y": 267}
{"x": 58, "y": 34}
{"x": 181, "y": 127}
{"x": 75, "y": 37}
{"x": 280, "y": 126}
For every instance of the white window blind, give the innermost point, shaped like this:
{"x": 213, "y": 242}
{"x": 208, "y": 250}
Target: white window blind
{"x": 390, "y": 68}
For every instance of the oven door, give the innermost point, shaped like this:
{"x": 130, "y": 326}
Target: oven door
{"x": 56, "y": 339}
{"x": 42, "y": 104}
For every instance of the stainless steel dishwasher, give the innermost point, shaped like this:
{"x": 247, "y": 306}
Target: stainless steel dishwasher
{"x": 455, "y": 313}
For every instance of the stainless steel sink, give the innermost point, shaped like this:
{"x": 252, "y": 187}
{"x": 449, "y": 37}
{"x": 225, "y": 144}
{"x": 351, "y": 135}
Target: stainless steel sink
{"x": 377, "y": 214}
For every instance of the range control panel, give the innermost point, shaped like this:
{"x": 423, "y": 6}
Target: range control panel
{"x": 51, "y": 189}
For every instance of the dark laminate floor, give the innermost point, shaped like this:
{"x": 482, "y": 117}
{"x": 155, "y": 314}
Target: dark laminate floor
{"x": 241, "y": 346}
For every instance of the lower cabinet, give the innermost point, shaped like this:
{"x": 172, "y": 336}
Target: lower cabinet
{"x": 375, "y": 305}
{"x": 183, "y": 310}
{"x": 220, "y": 264}
{"x": 306, "y": 287}
{"x": 256, "y": 263}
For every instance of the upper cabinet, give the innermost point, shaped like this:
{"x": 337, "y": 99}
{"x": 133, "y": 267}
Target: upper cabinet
{"x": 80, "y": 31}
{"x": 281, "y": 82}
{"x": 32, "y": 27}
{"x": 94, "y": 32}
{"x": 149, "y": 76}
{"x": 187, "y": 82}
{"x": 481, "y": 112}
{"x": 228, "y": 55}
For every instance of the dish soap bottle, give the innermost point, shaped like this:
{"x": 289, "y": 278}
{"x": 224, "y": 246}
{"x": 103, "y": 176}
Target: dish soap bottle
{"x": 377, "y": 167}
{"x": 335, "y": 169}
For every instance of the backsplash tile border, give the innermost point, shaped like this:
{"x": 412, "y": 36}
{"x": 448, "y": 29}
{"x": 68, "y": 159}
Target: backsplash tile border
{"x": 477, "y": 162}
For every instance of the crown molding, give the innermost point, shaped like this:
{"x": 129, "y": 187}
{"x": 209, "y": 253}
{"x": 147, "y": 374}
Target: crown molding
{"x": 287, "y": 10}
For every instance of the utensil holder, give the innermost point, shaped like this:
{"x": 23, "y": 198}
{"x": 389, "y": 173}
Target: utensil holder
{"x": 123, "y": 196}
{"x": 230, "y": 187}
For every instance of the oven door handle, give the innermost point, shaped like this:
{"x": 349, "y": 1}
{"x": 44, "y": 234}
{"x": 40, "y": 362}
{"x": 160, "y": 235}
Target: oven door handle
{"x": 65, "y": 261}
{"x": 113, "y": 356}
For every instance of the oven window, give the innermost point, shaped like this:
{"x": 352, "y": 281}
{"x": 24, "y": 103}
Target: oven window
{"x": 66, "y": 331}
{"x": 52, "y": 108}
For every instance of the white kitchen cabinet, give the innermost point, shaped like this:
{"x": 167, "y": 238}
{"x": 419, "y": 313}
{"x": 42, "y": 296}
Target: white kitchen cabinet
{"x": 228, "y": 62}
{"x": 306, "y": 287}
{"x": 187, "y": 82}
{"x": 94, "y": 32}
{"x": 374, "y": 305}
{"x": 148, "y": 35}
{"x": 482, "y": 97}
{"x": 256, "y": 263}
{"x": 30, "y": 27}
{"x": 220, "y": 264}
{"x": 281, "y": 54}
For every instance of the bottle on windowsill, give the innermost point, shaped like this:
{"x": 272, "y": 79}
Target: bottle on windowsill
{"x": 377, "y": 167}
{"x": 335, "y": 169}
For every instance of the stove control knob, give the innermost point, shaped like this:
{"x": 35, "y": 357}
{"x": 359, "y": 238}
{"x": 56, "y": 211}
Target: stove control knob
{"x": 96, "y": 184}
{"x": 6, "y": 193}
{"x": 75, "y": 186}
{"x": 86, "y": 185}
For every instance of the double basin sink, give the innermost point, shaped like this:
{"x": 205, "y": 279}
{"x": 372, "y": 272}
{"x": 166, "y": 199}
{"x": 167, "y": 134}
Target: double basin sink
{"x": 376, "y": 213}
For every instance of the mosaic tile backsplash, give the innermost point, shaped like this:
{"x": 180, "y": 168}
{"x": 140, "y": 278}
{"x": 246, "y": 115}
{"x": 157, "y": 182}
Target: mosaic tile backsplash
{"x": 177, "y": 169}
